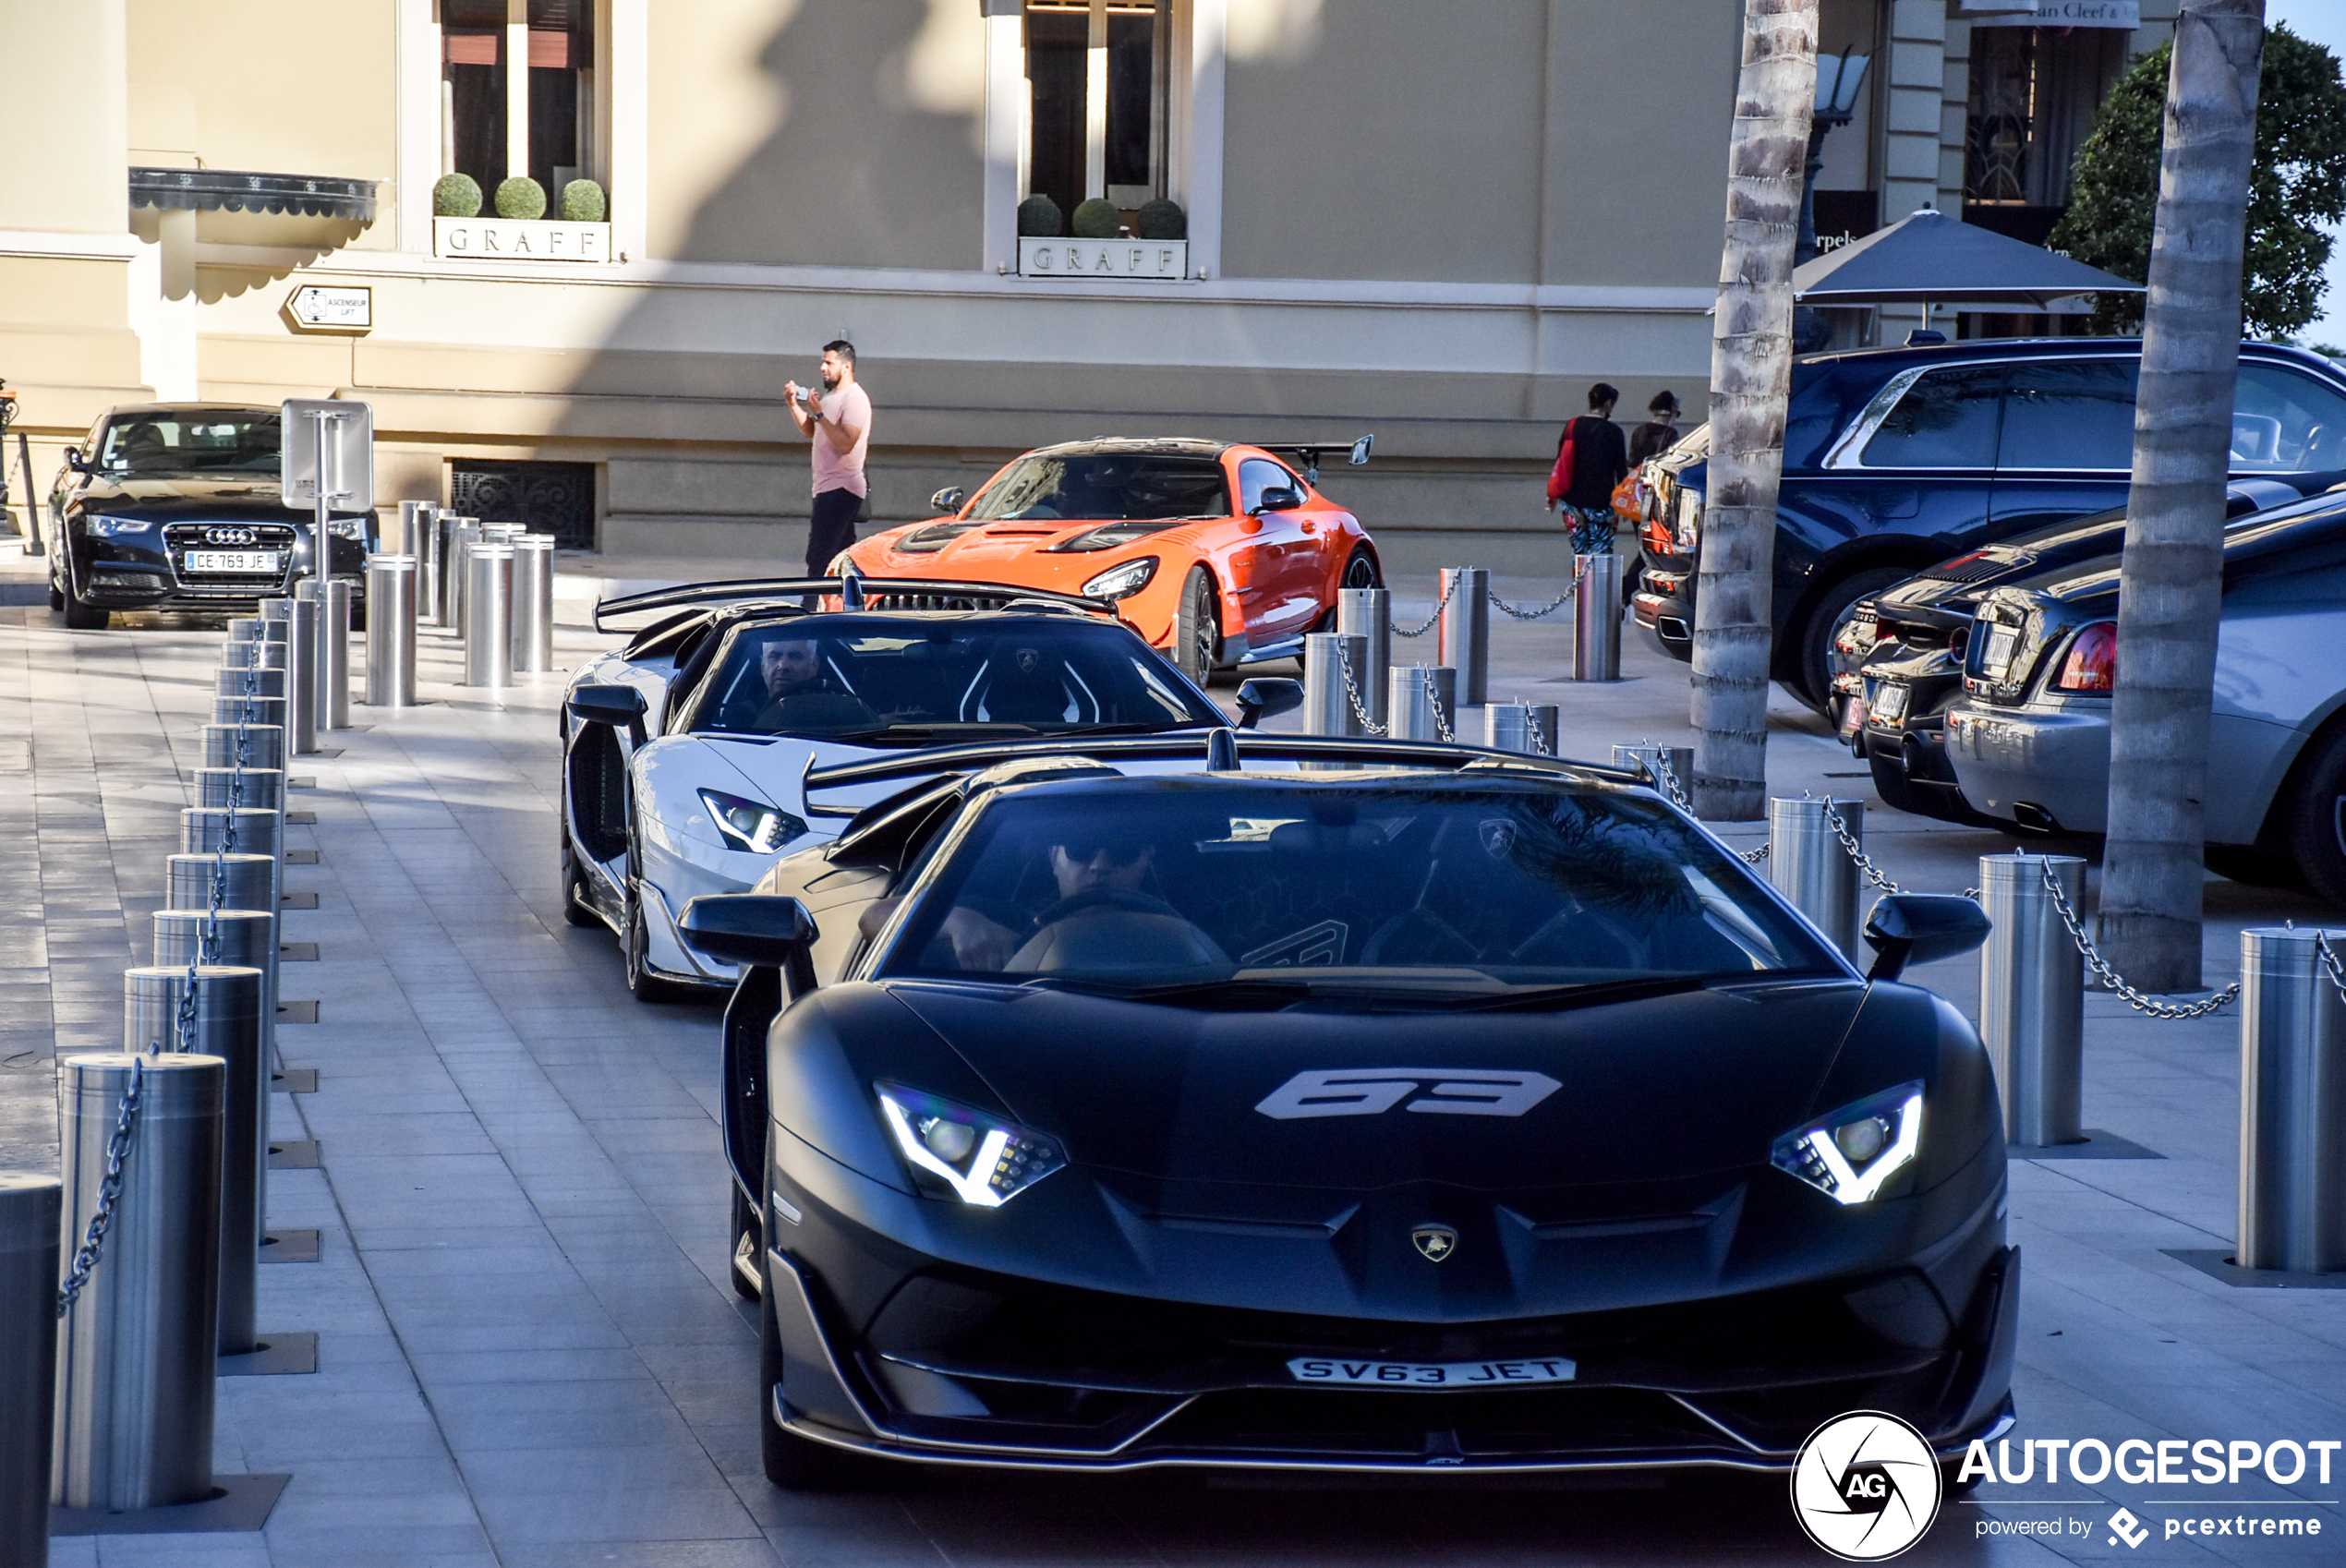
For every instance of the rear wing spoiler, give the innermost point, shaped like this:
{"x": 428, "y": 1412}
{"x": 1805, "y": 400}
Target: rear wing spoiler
{"x": 874, "y": 593}
{"x": 1307, "y": 454}
{"x": 1212, "y": 748}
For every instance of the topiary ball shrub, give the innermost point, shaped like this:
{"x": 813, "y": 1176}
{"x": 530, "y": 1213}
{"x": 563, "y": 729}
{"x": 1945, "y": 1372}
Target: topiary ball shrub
{"x": 521, "y": 197}
{"x": 1099, "y": 219}
{"x": 1161, "y": 220}
{"x": 583, "y": 203}
{"x": 1039, "y": 218}
{"x": 456, "y": 196}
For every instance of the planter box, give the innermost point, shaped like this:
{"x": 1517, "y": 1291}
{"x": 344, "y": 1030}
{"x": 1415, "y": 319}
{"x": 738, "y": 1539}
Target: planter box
{"x": 519, "y": 239}
{"x": 1159, "y": 260}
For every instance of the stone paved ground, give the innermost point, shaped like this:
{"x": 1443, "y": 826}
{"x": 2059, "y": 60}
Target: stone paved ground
{"x": 528, "y": 1353}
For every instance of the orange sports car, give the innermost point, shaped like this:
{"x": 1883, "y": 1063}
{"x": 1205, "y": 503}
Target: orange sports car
{"x": 1218, "y": 553}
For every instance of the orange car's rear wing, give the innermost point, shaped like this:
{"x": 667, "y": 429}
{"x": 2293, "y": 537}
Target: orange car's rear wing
{"x": 1307, "y": 454}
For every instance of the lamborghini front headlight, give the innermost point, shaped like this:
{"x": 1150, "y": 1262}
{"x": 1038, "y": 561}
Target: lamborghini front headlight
{"x": 1851, "y": 1153}
{"x": 982, "y": 1159}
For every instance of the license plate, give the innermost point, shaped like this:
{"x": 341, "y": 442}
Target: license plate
{"x": 1996, "y": 658}
{"x": 1889, "y": 703}
{"x": 1430, "y": 1374}
{"x": 246, "y": 560}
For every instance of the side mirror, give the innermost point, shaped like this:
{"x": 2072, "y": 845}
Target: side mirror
{"x": 761, "y": 930}
{"x": 949, "y": 499}
{"x": 1267, "y": 697}
{"x": 1278, "y": 498}
{"x": 74, "y": 461}
{"x": 1921, "y": 928}
{"x": 621, "y": 707}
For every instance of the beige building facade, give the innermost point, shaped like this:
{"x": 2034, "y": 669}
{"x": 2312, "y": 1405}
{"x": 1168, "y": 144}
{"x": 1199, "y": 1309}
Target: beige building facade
{"x": 1440, "y": 223}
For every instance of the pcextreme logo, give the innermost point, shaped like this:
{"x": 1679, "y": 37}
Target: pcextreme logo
{"x": 1866, "y": 1486}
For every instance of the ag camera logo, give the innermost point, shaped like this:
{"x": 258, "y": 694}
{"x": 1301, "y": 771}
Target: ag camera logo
{"x": 1866, "y": 1486}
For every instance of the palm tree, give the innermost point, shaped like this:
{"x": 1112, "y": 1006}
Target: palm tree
{"x": 1751, "y": 380}
{"x": 2170, "y": 584}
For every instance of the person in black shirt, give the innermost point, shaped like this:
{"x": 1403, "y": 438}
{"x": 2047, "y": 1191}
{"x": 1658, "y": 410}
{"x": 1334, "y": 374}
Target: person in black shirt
{"x": 1659, "y": 433}
{"x": 1599, "y": 460}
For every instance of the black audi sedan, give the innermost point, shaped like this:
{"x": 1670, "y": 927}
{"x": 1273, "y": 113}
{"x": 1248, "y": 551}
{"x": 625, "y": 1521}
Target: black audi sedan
{"x": 1455, "y": 1114}
{"x": 1896, "y": 458}
{"x": 175, "y": 506}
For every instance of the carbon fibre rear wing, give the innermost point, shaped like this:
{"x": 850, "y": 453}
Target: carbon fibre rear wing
{"x": 1307, "y": 454}
{"x": 878, "y": 593}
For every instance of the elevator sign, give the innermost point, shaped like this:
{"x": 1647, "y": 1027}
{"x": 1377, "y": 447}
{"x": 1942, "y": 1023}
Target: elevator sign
{"x": 333, "y": 309}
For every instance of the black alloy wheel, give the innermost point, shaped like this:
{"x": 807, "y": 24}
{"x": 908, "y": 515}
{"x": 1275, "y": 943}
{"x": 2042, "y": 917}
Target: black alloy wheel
{"x": 793, "y": 1463}
{"x": 1814, "y": 650}
{"x": 1197, "y": 627}
{"x": 641, "y": 983}
{"x": 2317, "y": 839}
{"x": 1359, "y": 570}
{"x": 79, "y": 617}
{"x": 56, "y": 596}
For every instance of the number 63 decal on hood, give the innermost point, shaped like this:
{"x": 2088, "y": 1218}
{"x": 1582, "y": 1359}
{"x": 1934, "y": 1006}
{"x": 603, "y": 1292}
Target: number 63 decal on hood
{"x": 1369, "y": 1092}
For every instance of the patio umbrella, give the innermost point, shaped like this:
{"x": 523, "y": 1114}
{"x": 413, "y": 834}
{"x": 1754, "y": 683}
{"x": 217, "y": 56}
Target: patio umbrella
{"x": 1929, "y": 258}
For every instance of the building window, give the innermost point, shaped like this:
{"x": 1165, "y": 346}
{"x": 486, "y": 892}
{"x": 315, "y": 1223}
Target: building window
{"x": 1099, "y": 73}
{"x": 496, "y": 122}
{"x": 2034, "y": 92}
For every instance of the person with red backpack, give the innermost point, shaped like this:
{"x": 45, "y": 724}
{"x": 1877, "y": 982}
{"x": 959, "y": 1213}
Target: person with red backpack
{"x": 1592, "y": 456}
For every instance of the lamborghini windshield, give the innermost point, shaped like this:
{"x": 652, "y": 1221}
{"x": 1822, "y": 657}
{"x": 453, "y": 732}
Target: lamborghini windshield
{"x": 1437, "y": 886}
{"x": 888, "y": 681}
{"x": 1104, "y": 487}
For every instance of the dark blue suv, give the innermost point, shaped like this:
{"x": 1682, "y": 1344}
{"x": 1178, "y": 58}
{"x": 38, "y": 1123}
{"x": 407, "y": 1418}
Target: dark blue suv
{"x": 1898, "y": 458}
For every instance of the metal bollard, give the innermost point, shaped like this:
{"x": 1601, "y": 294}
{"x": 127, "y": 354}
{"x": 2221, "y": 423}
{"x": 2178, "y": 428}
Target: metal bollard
{"x": 1544, "y": 719}
{"x": 333, "y": 657}
{"x": 227, "y": 1024}
{"x": 462, "y": 534}
{"x": 1410, "y": 695}
{"x": 1368, "y": 612}
{"x": 244, "y": 745}
{"x": 249, "y": 682}
{"x": 245, "y": 938}
{"x": 1506, "y": 727}
{"x": 1463, "y": 639}
{"x": 2032, "y": 997}
{"x": 533, "y": 603}
{"x": 242, "y": 882}
{"x": 489, "y": 601}
{"x": 1809, "y": 866}
{"x": 260, "y": 789}
{"x": 276, "y": 619}
{"x": 244, "y": 628}
{"x": 1652, "y": 760}
{"x": 30, "y": 1210}
{"x": 136, "y": 1354}
{"x": 1327, "y": 710}
{"x": 203, "y": 830}
{"x": 423, "y": 543}
{"x": 1446, "y": 701}
{"x": 255, "y": 651}
{"x": 2293, "y": 1103}
{"x": 302, "y": 712}
{"x": 272, "y": 712}
{"x": 1596, "y": 618}
{"x": 411, "y": 525}
{"x": 391, "y": 582}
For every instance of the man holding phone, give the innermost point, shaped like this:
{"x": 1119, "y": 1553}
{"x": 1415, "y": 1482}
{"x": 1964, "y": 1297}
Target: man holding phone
{"x": 839, "y": 420}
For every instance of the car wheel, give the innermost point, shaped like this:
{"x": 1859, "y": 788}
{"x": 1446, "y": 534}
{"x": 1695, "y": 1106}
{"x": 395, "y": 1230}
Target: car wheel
{"x": 1359, "y": 570}
{"x": 57, "y": 597}
{"x": 793, "y": 1463}
{"x": 1197, "y": 627}
{"x": 2317, "y": 820}
{"x": 1815, "y": 652}
{"x": 80, "y": 616}
{"x": 641, "y": 983}
{"x": 749, "y": 1236}
{"x": 576, "y": 909}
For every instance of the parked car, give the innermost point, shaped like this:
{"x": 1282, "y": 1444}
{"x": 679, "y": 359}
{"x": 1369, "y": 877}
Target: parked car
{"x": 175, "y": 506}
{"x": 1896, "y": 458}
{"x": 2029, "y": 741}
{"x": 1220, "y": 554}
{"x": 1898, "y": 658}
{"x": 1461, "y": 1113}
{"x": 686, "y": 751}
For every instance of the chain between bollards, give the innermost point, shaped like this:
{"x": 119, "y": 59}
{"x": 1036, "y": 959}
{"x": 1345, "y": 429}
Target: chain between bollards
{"x": 1353, "y": 691}
{"x": 93, "y": 1241}
{"x": 2111, "y": 979}
{"x": 1856, "y": 852}
{"x": 1519, "y": 613}
{"x": 1439, "y": 606}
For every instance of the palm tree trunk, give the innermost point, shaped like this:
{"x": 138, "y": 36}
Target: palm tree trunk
{"x": 1750, "y": 378}
{"x": 2170, "y": 584}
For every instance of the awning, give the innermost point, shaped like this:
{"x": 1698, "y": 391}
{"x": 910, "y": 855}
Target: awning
{"x": 1928, "y": 257}
{"x": 238, "y": 191}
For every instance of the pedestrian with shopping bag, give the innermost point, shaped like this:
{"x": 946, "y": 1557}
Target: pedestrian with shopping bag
{"x": 1592, "y": 456}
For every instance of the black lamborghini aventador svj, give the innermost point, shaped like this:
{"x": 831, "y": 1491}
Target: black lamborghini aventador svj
{"x": 1487, "y": 1117}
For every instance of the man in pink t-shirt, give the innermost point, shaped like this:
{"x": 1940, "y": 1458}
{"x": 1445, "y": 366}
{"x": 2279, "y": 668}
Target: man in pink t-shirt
{"x": 839, "y": 420}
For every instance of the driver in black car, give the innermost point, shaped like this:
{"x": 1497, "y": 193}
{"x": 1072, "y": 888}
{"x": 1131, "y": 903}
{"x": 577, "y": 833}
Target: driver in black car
{"x": 800, "y": 693}
{"x": 1099, "y": 879}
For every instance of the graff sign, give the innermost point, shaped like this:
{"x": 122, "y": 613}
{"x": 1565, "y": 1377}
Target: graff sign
{"x": 1166, "y": 260}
